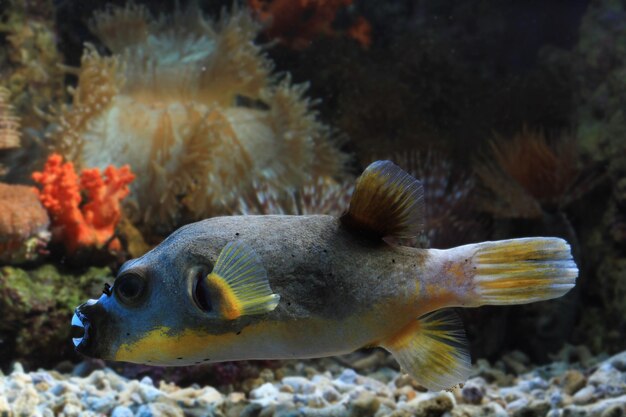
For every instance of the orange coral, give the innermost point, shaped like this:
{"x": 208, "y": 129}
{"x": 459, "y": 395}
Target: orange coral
{"x": 297, "y": 22}
{"x": 361, "y": 31}
{"x": 92, "y": 224}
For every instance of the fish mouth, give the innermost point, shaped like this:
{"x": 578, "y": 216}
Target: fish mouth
{"x": 81, "y": 330}
{"x": 78, "y": 331}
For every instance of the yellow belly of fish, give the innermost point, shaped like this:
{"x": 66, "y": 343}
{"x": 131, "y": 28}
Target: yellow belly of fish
{"x": 306, "y": 338}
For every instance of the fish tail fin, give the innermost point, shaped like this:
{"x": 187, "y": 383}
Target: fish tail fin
{"x": 433, "y": 349}
{"x": 504, "y": 272}
{"x": 520, "y": 271}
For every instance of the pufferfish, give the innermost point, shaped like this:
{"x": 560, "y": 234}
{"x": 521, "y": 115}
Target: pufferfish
{"x": 284, "y": 287}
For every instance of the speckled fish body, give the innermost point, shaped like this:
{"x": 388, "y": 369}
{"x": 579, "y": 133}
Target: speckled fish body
{"x": 316, "y": 286}
{"x": 337, "y": 293}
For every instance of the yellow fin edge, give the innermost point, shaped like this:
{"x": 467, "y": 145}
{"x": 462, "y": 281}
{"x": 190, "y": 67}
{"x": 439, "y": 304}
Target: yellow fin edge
{"x": 433, "y": 350}
{"x": 239, "y": 284}
{"x": 526, "y": 270}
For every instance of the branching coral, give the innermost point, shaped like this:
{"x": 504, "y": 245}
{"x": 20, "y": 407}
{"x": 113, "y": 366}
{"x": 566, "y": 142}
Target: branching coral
{"x": 93, "y": 223}
{"x": 529, "y": 174}
{"x": 23, "y": 224}
{"x": 297, "y": 22}
{"x": 193, "y": 107}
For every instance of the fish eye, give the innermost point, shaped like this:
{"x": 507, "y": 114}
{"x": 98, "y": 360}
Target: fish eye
{"x": 130, "y": 289}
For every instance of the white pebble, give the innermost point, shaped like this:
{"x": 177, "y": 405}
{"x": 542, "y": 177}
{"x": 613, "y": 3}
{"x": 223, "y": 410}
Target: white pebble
{"x": 122, "y": 411}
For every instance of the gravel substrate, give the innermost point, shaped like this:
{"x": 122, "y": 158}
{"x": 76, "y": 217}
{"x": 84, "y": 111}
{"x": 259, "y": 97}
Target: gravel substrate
{"x": 593, "y": 388}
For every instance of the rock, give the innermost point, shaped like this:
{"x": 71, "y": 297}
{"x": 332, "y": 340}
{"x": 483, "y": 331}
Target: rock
{"x": 585, "y": 395}
{"x": 149, "y": 393}
{"x": 286, "y": 410}
{"x": 86, "y": 367}
{"x": 573, "y": 381}
{"x": 299, "y": 384}
{"x": 122, "y": 411}
{"x": 251, "y": 410}
{"x": 160, "y": 410}
{"x": 372, "y": 361}
{"x": 335, "y": 410}
{"x": 597, "y": 409}
{"x": 268, "y": 411}
{"x": 71, "y": 410}
{"x": 615, "y": 410}
{"x": 556, "y": 399}
{"x": 534, "y": 409}
{"x": 346, "y": 379}
{"x": 384, "y": 375}
{"x": 474, "y": 390}
{"x": 349, "y": 394}
{"x": 235, "y": 410}
{"x": 101, "y": 405}
{"x": 518, "y": 404}
{"x": 488, "y": 410}
{"x": 405, "y": 379}
{"x": 26, "y": 401}
{"x": 490, "y": 374}
{"x": 532, "y": 384}
{"x": 235, "y": 397}
{"x": 400, "y": 413}
{"x": 268, "y": 394}
{"x": 365, "y": 405}
{"x": 430, "y": 404}
{"x": 251, "y": 383}
{"x": 406, "y": 393}
{"x": 618, "y": 361}
{"x": 5, "y": 409}
{"x": 330, "y": 394}
{"x": 608, "y": 380}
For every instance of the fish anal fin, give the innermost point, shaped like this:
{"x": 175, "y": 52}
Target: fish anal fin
{"x": 387, "y": 202}
{"x": 239, "y": 285}
{"x": 433, "y": 350}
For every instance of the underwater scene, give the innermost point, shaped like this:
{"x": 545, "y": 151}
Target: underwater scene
{"x": 313, "y": 208}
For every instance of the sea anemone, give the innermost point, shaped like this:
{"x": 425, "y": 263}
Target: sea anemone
{"x": 448, "y": 200}
{"x": 528, "y": 175}
{"x": 23, "y": 224}
{"x": 9, "y": 123}
{"x": 191, "y": 105}
{"x": 322, "y": 195}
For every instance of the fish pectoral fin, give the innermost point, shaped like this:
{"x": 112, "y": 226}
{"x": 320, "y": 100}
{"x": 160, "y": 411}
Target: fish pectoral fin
{"x": 433, "y": 350}
{"x": 387, "y": 202}
{"x": 238, "y": 285}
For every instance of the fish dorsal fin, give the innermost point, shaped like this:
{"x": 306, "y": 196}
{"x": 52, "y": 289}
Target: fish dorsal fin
{"x": 238, "y": 284}
{"x": 387, "y": 202}
{"x": 433, "y": 350}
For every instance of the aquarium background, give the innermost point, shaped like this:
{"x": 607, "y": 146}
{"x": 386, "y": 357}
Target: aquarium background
{"x": 513, "y": 114}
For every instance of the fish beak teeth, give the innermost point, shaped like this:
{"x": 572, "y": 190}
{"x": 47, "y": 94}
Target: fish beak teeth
{"x": 78, "y": 330}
